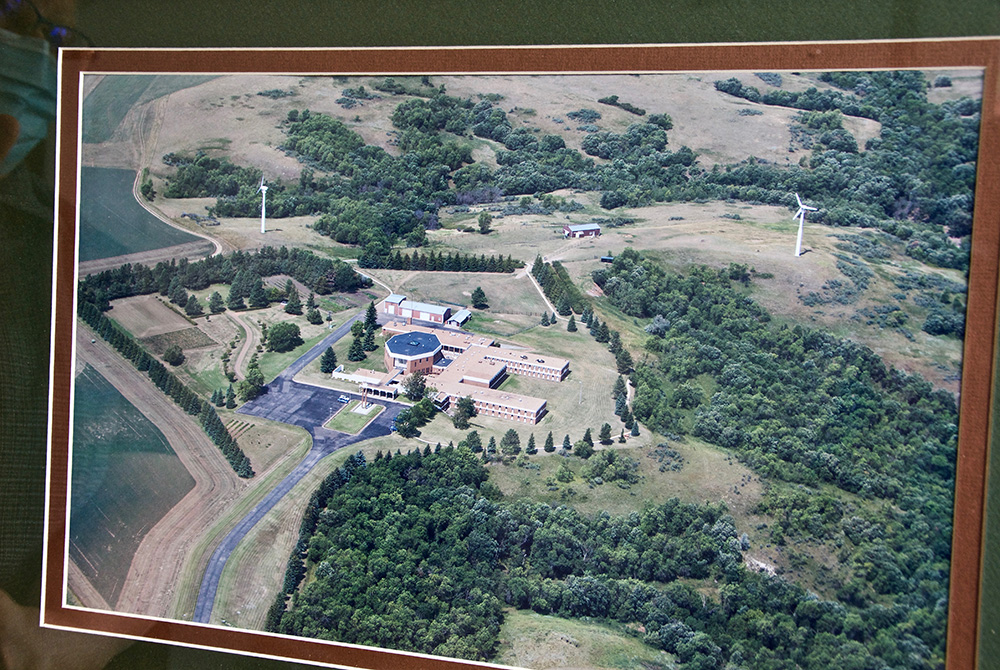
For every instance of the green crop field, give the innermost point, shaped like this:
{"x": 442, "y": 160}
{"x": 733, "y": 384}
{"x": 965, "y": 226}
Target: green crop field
{"x": 125, "y": 478}
{"x": 112, "y": 223}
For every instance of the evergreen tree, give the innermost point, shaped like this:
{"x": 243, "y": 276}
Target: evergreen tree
{"x": 258, "y": 296}
{"x": 311, "y": 301}
{"x": 193, "y": 306}
{"x": 314, "y": 317}
{"x": 621, "y": 437}
{"x": 552, "y": 318}
{"x": 603, "y": 334}
{"x": 369, "y": 341}
{"x": 595, "y": 326}
{"x": 371, "y": 317}
{"x": 173, "y": 355}
{"x": 474, "y": 442}
{"x": 510, "y": 443}
{"x": 619, "y": 389}
{"x": 615, "y": 342}
{"x": 328, "y": 361}
{"x": 635, "y": 429}
{"x": 230, "y": 397}
{"x": 216, "y": 305}
{"x": 549, "y": 444}
{"x": 491, "y": 448}
{"x": 293, "y": 304}
{"x": 357, "y": 351}
{"x": 623, "y": 361}
{"x": 571, "y": 324}
{"x": 564, "y": 307}
{"x": 566, "y": 444}
{"x": 176, "y": 293}
{"x": 619, "y": 405}
{"x": 479, "y": 299}
{"x": 545, "y": 318}
{"x": 588, "y": 439}
{"x": 531, "y": 450}
{"x": 235, "y": 300}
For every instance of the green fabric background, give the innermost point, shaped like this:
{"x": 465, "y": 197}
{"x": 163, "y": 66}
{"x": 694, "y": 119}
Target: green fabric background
{"x": 191, "y": 23}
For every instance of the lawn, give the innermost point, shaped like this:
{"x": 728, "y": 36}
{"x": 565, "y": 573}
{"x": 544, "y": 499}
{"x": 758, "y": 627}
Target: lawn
{"x": 348, "y": 420}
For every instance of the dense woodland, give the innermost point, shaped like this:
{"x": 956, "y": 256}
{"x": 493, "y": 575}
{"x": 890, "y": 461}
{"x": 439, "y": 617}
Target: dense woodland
{"x": 419, "y": 552}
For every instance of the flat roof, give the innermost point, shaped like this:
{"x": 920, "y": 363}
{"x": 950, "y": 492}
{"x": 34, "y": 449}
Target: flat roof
{"x": 425, "y": 307}
{"x": 412, "y": 345}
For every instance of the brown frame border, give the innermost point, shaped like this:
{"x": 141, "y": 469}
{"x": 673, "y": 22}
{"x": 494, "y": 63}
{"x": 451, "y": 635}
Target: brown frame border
{"x": 981, "y": 322}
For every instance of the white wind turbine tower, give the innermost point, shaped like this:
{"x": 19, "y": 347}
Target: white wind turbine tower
{"x": 263, "y": 201}
{"x": 801, "y": 216}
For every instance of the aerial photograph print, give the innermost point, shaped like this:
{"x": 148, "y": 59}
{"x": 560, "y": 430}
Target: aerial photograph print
{"x": 651, "y": 370}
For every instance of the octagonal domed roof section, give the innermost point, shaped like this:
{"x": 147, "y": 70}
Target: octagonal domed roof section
{"x": 413, "y": 345}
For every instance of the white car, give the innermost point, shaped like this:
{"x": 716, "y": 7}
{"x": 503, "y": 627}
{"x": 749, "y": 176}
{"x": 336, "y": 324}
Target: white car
{"x": 344, "y": 399}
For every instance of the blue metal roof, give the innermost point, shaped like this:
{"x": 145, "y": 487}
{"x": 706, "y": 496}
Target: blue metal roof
{"x": 413, "y": 344}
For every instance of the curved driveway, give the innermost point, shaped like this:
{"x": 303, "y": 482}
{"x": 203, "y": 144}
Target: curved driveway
{"x": 308, "y": 407}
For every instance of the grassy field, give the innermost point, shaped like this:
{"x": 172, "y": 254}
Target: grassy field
{"x": 112, "y": 223}
{"x": 538, "y": 641}
{"x": 349, "y": 420}
{"x": 125, "y": 478}
{"x": 111, "y": 99}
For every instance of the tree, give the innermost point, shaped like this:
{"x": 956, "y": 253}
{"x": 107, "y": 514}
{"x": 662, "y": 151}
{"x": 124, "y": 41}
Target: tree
{"x": 566, "y": 444}
{"x": 230, "y": 397}
{"x": 619, "y": 389}
{"x": 549, "y": 446}
{"x": 603, "y": 333}
{"x": 571, "y": 324}
{"x": 293, "y": 304}
{"x": 371, "y": 317}
{"x": 235, "y": 300}
{"x": 564, "y": 307}
{"x": 311, "y": 300}
{"x": 485, "y": 219}
{"x": 193, "y": 306}
{"x": 583, "y": 449}
{"x": 175, "y": 292}
{"x": 215, "y": 303}
{"x": 474, "y": 442}
{"x": 356, "y": 352}
{"x": 415, "y": 385}
{"x": 283, "y": 336}
{"x": 173, "y": 355}
{"x": 531, "y": 449}
{"x": 545, "y": 318}
{"x": 479, "y": 299}
{"x": 587, "y": 438}
{"x": 552, "y": 318}
{"x": 369, "y": 341}
{"x": 357, "y": 329}
{"x": 635, "y": 429}
{"x": 314, "y": 317}
{"x": 491, "y": 448}
{"x": 465, "y": 409}
{"x": 510, "y": 443}
{"x": 253, "y": 385}
{"x": 257, "y": 299}
{"x": 328, "y": 361}
{"x": 605, "y": 434}
{"x": 623, "y": 361}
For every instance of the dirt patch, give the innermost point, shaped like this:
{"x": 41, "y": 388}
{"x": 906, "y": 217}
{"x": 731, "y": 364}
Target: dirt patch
{"x": 147, "y": 315}
{"x": 189, "y": 338}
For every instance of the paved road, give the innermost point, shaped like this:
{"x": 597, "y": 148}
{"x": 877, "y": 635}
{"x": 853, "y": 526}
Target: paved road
{"x": 308, "y": 407}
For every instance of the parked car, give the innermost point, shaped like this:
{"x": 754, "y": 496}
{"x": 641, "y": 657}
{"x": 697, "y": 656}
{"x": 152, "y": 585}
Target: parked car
{"x": 344, "y": 399}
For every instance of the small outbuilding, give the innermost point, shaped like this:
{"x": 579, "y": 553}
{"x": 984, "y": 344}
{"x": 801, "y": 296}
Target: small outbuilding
{"x": 582, "y": 230}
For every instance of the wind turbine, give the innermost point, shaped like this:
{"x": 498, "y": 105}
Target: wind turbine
{"x": 801, "y": 216}
{"x": 263, "y": 201}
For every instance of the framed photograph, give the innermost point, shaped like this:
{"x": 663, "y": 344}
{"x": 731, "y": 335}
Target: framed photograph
{"x": 670, "y": 355}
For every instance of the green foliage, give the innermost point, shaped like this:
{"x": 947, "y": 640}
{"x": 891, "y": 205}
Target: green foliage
{"x": 328, "y": 361}
{"x": 193, "y": 306}
{"x": 485, "y": 221}
{"x": 174, "y": 355}
{"x": 283, "y": 336}
{"x": 215, "y": 303}
{"x": 465, "y": 409}
{"x": 479, "y": 300}
{"x": 415, "y": 385}
{"x": 357, "y": 351}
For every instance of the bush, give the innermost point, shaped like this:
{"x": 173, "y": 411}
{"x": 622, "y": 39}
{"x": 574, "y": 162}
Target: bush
{"x": 173, "y": 355}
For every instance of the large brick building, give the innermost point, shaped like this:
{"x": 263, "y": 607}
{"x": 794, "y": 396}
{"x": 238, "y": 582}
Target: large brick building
{"x": 582, "y": 230}
{"x": 399, "y": 306}
{"x": 468, "y": 365}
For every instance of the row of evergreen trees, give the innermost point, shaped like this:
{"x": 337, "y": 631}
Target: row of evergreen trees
{"x": 432, "y": 262}
{"x": 170, "y": 386}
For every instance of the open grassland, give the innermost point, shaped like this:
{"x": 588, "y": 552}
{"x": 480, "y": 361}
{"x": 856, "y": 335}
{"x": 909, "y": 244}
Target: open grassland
{"x": 125, "y": 478}
{"x": 532, "y": 640}
{"x": 110, "y": 99}
{"x": 112, "y": 223}
{"x": 506, "y": 293}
